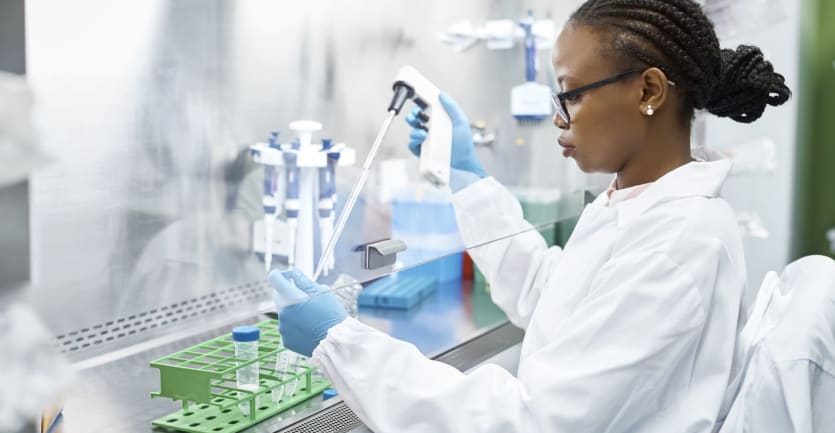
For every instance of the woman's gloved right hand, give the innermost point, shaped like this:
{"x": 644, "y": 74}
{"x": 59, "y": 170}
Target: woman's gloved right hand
{"x": 463, "y": 152}
{"x": 306, "y": 310}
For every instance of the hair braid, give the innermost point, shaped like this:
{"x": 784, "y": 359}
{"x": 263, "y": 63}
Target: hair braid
{"x": 678, "y": 38}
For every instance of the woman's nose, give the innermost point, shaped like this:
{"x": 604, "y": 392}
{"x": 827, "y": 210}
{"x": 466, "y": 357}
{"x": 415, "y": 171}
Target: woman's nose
{"x": 559, "y": 122}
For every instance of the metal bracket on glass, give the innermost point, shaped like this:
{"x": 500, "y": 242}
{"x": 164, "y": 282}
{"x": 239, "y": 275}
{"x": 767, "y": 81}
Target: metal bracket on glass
{"x": 382, "y": 253}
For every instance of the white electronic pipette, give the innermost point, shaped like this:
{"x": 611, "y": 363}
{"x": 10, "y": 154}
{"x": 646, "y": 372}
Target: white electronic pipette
{"x": 435, "y": 154}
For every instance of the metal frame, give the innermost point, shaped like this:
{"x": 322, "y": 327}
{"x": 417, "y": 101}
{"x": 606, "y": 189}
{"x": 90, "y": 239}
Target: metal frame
{"x": 14, "y": 199}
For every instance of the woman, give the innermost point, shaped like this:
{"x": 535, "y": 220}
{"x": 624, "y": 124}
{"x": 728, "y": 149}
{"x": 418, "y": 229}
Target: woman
{"x": 630, "y": 327}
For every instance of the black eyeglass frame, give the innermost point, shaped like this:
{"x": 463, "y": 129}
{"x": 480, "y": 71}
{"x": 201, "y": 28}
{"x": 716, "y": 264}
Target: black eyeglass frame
{"x": 558, "y": 98}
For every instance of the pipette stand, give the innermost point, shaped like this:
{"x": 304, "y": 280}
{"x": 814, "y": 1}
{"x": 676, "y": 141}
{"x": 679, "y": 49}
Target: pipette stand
{"x": 310, "y": 158}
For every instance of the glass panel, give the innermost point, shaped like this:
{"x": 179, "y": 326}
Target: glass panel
{"x": 433, "y": 309}
{"x": 152, "y": 203}
{"x": 424, "y": 218}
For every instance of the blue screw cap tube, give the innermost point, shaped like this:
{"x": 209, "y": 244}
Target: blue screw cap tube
{"x": 246, "y": 350}
{"x": 329, "y": 393}
{"x": 246, "y": 334}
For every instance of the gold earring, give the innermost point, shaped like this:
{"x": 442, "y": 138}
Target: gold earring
{"x": 650, "y": 111}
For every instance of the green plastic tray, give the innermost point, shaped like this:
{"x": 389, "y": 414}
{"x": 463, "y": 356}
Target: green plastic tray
{"x": 203, "y": 377}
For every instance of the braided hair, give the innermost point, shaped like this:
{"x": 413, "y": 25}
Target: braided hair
{"x": 677, "y": 37}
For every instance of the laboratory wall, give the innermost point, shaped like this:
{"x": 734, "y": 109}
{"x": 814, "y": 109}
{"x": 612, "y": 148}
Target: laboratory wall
{"x": 762, "y": 191}
{"x": 814, "y": 207}
{"x": 142, "y": 225}
{"x": 14, "y": 193}
{"x": 12, "y": 31}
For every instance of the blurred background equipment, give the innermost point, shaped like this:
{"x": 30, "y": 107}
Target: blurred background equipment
{"x": 737, "y": 17}
{"x": 530, "y": 103}
{"x": 32, "y": 372}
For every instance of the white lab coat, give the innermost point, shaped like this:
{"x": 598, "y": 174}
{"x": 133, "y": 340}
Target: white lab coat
{"x": 788, "y": 349}
{"x": 630, "y": 329}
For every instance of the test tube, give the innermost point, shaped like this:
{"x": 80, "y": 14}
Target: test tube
{"x": 246, "y": 349}
{"x": 286, "y": 361}
{"x": 285, "y": 365}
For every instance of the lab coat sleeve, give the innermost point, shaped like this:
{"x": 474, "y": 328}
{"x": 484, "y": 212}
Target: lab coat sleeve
{"x": 392, "y": 387}
{"x": 625, "y": 352}
{"x": 518, "y": 266}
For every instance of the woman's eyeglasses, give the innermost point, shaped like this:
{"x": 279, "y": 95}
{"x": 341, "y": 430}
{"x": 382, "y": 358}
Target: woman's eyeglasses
{"x": 558, "y": 99}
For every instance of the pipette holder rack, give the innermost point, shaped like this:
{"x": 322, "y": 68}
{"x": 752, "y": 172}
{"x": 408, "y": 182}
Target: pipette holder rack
{"x": 309, "y": 158}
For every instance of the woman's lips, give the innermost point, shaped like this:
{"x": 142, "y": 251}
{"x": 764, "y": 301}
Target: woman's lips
{"x": 567, "y": 149}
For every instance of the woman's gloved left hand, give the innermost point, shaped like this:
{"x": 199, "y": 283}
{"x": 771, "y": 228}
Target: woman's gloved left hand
{"x": 311, "y": 312}
{"x": 463, "y": 152}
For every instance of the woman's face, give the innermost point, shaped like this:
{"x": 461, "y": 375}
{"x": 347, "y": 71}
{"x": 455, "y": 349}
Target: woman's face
{"x": 607, "y": 126}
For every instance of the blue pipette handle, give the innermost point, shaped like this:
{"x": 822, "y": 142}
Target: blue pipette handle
{"x": 269, "y": 174}
{"x": 530, "y": 48}
{"x": 292, "y": 192}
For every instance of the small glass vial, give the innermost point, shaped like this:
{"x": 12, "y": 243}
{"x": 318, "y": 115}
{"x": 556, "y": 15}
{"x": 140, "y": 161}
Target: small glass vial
{"x": 246, "y": 349}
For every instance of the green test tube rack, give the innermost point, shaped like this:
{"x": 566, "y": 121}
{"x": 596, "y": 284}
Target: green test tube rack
{"x": 203, "y": 377}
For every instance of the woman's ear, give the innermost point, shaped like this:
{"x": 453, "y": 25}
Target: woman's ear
{"x": 655, "y": 88}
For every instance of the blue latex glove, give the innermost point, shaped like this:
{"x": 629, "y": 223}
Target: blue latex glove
{"x": 304, "y": 324}
{"x": 463, "y": 152}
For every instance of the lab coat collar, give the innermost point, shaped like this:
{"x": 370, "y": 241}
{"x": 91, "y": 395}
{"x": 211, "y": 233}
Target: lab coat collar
{"x": 694, "y": 179}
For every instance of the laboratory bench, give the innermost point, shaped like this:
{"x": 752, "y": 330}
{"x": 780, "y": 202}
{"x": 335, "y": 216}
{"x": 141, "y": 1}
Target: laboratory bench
{"x": 457, "y": 324}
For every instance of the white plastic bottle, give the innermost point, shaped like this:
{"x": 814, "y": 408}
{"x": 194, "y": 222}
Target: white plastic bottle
{"x": 246, "y": 349}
